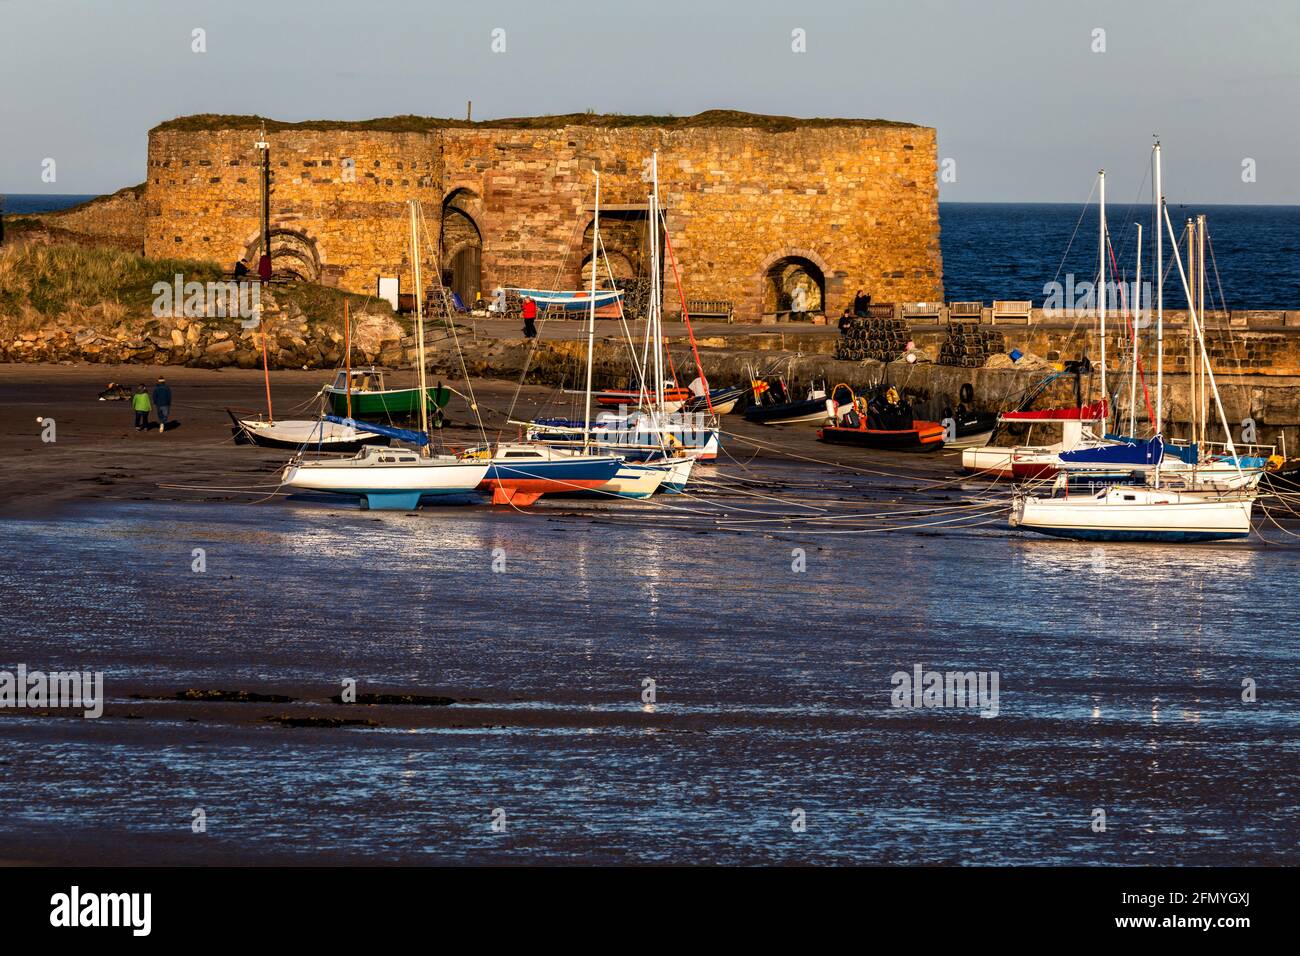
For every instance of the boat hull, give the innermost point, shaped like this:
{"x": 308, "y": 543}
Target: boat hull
{"x": 806, "y": 412}
{"x": 925, "y": 437}
{"x": 293, "y": 435}
{"x": 387, "y": 486}
{"x": 1122, "y": 514}
{"x": 522, "y": 483}
{"x": 397, "y": 402}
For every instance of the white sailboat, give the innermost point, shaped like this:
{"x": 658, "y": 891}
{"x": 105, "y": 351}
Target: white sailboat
{"x": 1159, "y": 506}
{"x": 393, "y": 478}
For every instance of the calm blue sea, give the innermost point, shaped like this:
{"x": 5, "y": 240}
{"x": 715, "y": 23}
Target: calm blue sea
{"x": 28, "y": 203}
{"x": 1010, "y": 250}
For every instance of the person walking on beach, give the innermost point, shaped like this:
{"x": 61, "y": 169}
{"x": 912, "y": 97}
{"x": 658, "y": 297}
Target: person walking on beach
{"x": 530, "y": 318}
{"x": 162, "y": 400}
{"x": 140, "y": 405}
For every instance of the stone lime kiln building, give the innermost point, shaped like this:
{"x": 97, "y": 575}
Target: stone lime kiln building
{"x": 754, "y": 205}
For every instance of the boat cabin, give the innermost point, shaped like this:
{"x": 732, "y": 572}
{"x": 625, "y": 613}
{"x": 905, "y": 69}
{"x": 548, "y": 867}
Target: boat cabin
{"x": 387, "y": 456}
{"x": 363, "y": 380}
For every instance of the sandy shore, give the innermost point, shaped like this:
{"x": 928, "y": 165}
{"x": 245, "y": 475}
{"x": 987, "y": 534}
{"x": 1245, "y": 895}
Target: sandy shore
{"x": 98, "y": 454}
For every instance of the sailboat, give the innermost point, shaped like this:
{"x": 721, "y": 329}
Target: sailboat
{"x": 521, "y": 472}
{"x": 1167, "y": 505}
{"x": 655, "y": 435}
{"x": 294, "y": 434}
{"x": 389, "y": 478}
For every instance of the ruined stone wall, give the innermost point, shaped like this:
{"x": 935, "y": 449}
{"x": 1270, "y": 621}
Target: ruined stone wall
{"x": 857, "y": 202}
{"x": 118, "y": 218}
{"x": 204, "y": 200}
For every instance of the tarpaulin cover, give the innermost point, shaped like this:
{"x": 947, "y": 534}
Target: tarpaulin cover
{"x": 1088, "y": 413}
{"x": 401, "y": 434}
{"x": 1136, "y": 451}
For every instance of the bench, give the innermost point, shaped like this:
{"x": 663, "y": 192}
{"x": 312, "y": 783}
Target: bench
{"x": 922, "y": 310}
{"x": 965, "y": 311}
{"x": 709, "y": 309}
{"x": 1012, "y": 310}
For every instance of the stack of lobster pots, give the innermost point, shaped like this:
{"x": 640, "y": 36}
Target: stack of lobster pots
{"x": 968, "y": 346}
{"x": 878, "y": 336}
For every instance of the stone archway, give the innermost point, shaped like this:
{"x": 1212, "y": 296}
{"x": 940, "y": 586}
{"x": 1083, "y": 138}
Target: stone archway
{"x": 293, "y": 254}
{"x": 619, "y": 263}
{"x": 786, "y": 277}
{"x": 460, "y": 244}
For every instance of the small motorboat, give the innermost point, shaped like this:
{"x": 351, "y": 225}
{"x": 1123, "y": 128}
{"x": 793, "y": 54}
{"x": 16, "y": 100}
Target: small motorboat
{"x": 967, "y": 427}
{"x": 775, "y": 406}
{"x": 722, "y": 401}
{"x": 971, "y": 429}
{"x": 319, "y": 434}
{"x": 674, "y": 398}
{"x": 884, "y": 422}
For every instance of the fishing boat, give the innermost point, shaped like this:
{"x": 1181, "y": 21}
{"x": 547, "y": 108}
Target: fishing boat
{"x": 370, "y": 399}
{"x": 316, "y": 433}
{"x": 884, "y": 422}
{"x": 774, "y": 406}
{"x": 573, "y": 300}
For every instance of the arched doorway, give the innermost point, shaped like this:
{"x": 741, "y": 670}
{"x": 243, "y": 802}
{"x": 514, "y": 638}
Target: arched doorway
{"x": 619, "y": 263}
{"x": 293, "y": 254}
{"x": 794, "y": 285}
{"x": 461, "y": 246}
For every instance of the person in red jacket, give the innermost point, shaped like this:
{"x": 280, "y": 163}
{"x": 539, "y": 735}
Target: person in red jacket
{"x": 530, "y": 318}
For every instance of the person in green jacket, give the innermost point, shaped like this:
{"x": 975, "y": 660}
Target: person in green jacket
{"x": 140, "y": 402}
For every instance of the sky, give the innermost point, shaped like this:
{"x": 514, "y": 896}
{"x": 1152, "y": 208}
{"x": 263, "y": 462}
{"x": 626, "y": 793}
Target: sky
{"x": 1028, "y": 98}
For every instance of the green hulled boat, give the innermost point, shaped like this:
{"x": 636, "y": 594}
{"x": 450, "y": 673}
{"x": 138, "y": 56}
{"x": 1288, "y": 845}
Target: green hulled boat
{"x": 371, "y": 399}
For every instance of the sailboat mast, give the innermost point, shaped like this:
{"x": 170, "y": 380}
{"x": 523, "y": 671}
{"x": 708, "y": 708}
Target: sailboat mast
{"x": 657, "y": 290}
{"x": 1160, "y": 302}
{"x": 591, "y": 318}
{"x": 1200, "y": 311}
{"x": 1191, "y": 340}
{"x": 1205, "y": 358}
{"x": 1101, "y": 285}
{"x": 347, "y": 360}
{"x": 419, "y": 319}
{"x": 1137, "y": 324}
